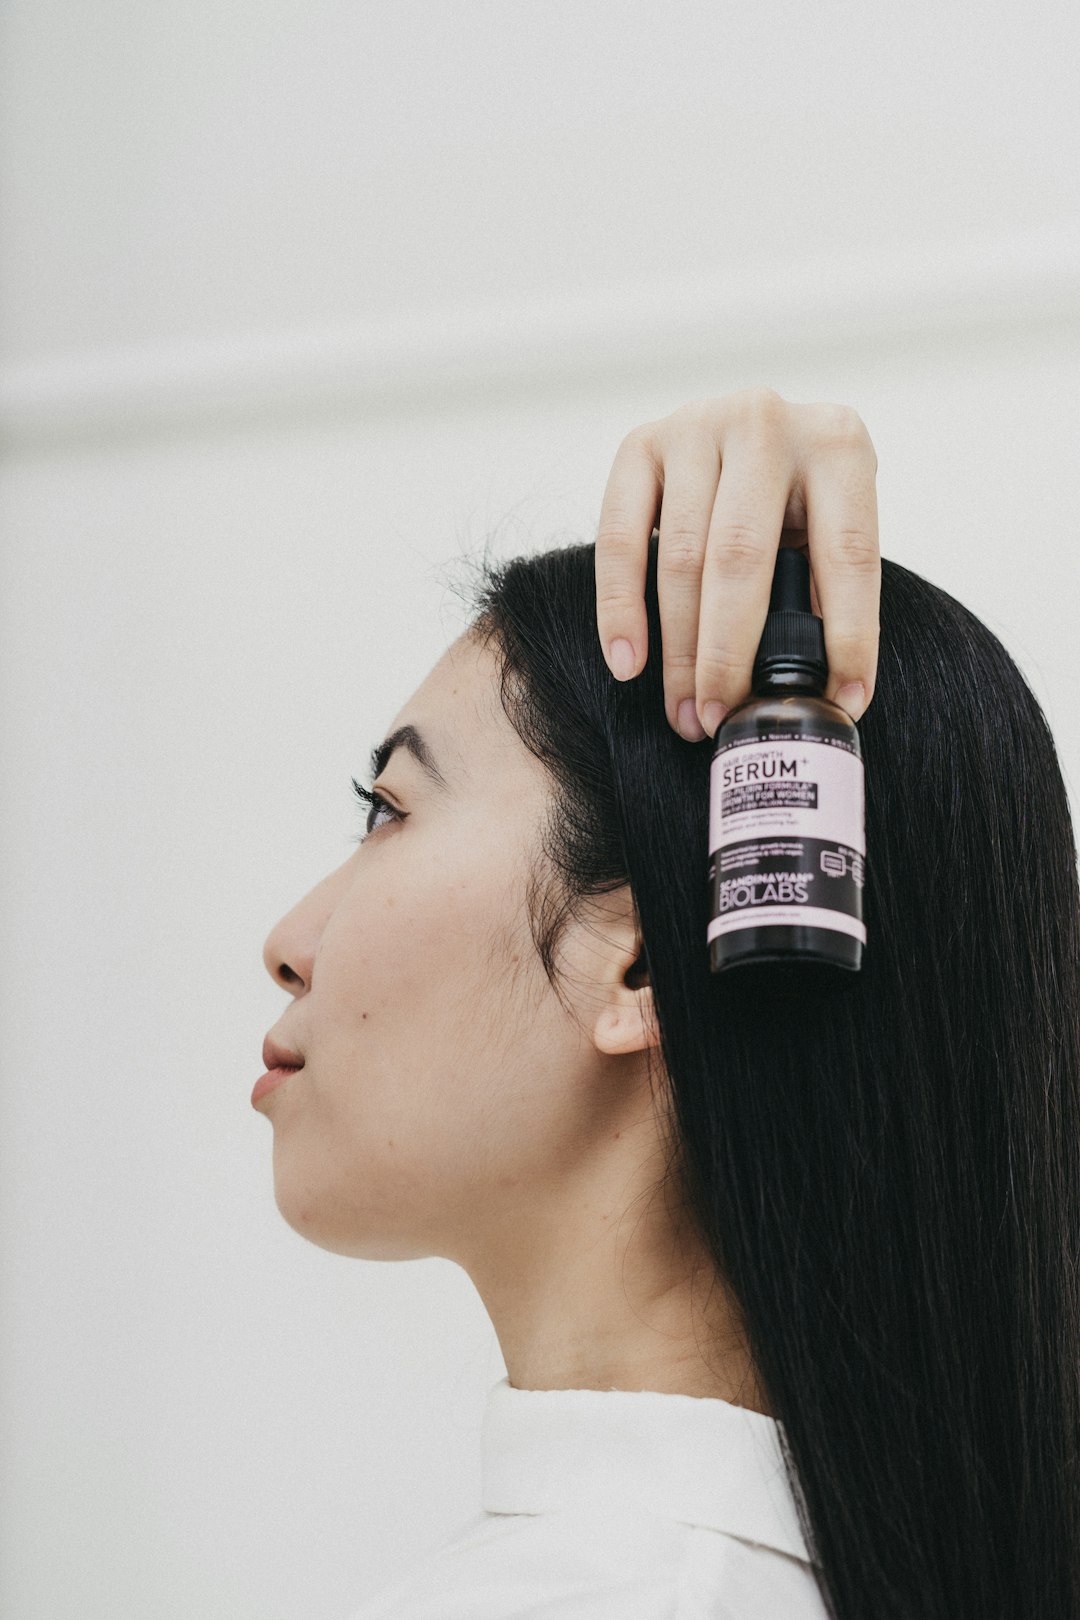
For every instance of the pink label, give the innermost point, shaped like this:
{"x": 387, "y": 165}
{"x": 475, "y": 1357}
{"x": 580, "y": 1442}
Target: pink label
{"x": 787, "y": 836}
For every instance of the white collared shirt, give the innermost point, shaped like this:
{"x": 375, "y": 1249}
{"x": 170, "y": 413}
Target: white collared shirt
{"x": 617, "y": 1505}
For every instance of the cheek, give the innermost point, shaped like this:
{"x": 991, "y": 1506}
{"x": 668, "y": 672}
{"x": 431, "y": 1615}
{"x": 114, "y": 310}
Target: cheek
{"x": 425, "y": 935}
{"x": 435, "y": 1063}
{"x": 424, "y": 980}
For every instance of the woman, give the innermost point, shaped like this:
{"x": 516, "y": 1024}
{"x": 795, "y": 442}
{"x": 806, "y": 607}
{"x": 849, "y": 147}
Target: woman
{"x": 786, "y": 1285}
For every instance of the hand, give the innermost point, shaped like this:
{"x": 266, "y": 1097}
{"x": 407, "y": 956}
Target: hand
{"x": 738, "y": 477}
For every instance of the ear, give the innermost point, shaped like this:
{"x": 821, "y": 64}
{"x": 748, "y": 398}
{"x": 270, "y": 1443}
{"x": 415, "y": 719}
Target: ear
{"x": 627, "y": 1021}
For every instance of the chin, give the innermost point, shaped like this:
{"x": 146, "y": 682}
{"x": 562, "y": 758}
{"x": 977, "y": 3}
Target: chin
{"x": 312, "y": 1219}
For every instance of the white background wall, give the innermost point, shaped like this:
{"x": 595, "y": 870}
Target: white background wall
{"x": 298, "y": 301}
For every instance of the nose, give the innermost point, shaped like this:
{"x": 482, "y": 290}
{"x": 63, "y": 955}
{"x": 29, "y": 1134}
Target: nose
{"x": 288, "y": 954}
{"x": 291, "y": 945}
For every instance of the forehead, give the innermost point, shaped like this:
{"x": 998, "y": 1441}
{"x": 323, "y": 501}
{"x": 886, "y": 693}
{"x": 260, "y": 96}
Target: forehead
{"x": 457, "y": 710}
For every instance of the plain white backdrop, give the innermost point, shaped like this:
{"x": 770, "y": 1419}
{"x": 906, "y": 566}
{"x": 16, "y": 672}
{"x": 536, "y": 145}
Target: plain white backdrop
{"x": 299, "y": 302}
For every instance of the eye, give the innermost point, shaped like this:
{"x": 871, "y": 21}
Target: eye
{"x": 376, "y": 801}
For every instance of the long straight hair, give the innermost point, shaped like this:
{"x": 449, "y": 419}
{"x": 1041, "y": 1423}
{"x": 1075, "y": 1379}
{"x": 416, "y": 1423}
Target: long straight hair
{"x": 888, "y": 1181}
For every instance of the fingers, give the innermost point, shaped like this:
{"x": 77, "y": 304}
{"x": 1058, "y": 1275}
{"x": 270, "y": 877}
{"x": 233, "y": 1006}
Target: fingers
{"x": 740, "y": 559}
{"x": 627, "y": 520}
{"x": 732, "y": 481}
{"x": 841, "y": 500}
{"x": 691, "y": 474}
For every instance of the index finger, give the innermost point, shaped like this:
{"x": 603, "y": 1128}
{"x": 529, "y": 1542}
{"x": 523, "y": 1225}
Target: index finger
{"x": 627, "y": 518}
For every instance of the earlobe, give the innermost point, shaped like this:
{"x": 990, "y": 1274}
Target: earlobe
{"x": 628, "y": 1027}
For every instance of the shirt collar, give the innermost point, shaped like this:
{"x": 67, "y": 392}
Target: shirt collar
{"x": 697, "y": 1459}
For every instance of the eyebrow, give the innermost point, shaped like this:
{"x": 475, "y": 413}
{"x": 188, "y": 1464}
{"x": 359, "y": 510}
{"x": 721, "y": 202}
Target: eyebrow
{"x": 409, "y": 738}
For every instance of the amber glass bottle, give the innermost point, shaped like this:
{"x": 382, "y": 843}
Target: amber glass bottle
{"x": 787, "y": 828}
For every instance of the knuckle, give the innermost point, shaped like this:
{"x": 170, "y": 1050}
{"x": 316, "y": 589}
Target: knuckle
{"x": 842, "y": 426}
{"x": 738, "y": 548}
{"x": 677, "y": 666}
{"x": 714, "y": 673}
{"x": 616, "y": 531}
{"x": 640, "y": 441}
{"x": 765, "y": 411}
{"x": 615, "y": 607}
{"x": 682, "y": 550}
{"x": 699, "y": 413}
{"x": 847, "y": 645}
{"x": 856, "y": 549}
{"x": 852, "y": 652}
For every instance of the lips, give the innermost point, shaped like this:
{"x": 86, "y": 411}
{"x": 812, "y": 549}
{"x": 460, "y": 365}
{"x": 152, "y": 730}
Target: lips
{"x": 279, "y": 1057}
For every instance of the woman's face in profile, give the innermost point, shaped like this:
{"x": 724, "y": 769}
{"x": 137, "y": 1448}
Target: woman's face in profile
{"x": 439, "y": 1079}
{"x": 450, "y": 1104}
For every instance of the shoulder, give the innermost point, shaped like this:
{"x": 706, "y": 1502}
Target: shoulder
{"x": 727, "y": 1578}
{"x": 598, "y": 1563}
{"x": 578, "y": 1565}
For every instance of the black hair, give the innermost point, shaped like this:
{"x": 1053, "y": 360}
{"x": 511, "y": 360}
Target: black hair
{"x": 888, "y": 1182}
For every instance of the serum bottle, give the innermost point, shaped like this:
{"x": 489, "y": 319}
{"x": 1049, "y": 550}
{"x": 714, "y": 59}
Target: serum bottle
{"x": 787, "y": 826}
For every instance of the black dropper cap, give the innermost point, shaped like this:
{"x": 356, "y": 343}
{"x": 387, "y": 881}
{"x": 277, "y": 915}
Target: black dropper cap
{"x": 793, "y": 640}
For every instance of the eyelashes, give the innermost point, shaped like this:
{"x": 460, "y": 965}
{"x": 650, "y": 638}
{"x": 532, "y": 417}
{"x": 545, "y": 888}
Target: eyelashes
{"x": 375, "y": 802}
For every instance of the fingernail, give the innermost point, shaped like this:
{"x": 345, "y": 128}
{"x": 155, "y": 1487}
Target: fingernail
{"x": 852, "y": 697}
{"x": 713, "y": 716}
{"x": 622, "y": 659}
{"x": 689, "y": 724}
